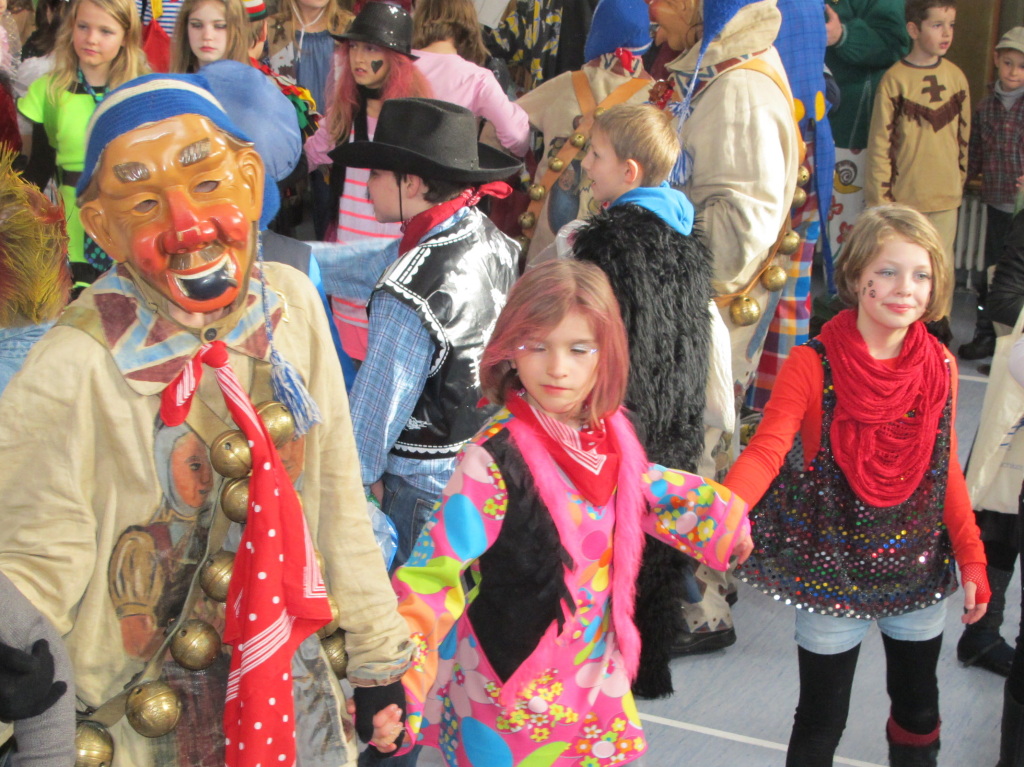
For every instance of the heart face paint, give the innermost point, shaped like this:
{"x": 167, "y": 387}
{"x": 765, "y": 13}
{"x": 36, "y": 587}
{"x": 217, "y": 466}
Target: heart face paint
{"x": 180, "y": 199}
{"x": 369, "y": 64}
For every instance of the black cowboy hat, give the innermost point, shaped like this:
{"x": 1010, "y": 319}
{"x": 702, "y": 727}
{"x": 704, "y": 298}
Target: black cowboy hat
{"x": 384, "y": 25}
{"x": 428, "y": 138}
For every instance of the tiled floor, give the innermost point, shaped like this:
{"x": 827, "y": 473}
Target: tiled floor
{"x": 735, "y": 708}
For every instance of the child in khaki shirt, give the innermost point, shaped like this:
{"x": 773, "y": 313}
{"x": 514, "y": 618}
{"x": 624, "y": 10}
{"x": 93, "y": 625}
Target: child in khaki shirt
{"x": 917, "y": 147}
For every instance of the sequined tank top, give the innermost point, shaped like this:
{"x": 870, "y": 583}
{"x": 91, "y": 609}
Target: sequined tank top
{"x": 821, "y": 548}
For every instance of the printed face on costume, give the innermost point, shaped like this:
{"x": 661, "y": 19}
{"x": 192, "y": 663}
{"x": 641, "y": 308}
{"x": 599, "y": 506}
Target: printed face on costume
{"x": 559, "y": 370}
{"x": 208, "y": 32}
{"x": 894, "y": 289}
{"x": 178, "y": 199}
{"x": 935, "y": 34}
{"x": 97, "y": 38}
{"x": 369, "y": 64}
{"x": 191, "y": 471}
{"x": 609, "y": 175}
{"x": 1010, "y": 66}
{"x": 383, "y": 191}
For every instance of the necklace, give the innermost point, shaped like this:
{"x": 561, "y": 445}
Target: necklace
{"x": 97, "y": 97}
{"x": 305, "y": 26}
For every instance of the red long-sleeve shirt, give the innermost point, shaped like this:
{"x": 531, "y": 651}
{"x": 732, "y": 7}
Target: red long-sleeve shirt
{"x": 795, "y": 405}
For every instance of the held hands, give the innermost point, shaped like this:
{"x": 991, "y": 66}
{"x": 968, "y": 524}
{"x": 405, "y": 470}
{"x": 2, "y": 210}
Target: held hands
{"x": 972, "y": 611}
{"x": 27, "y": 688}
{"x": 379, "y": 716}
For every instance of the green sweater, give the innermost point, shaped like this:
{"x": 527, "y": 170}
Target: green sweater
{"x": 874, "y": 38}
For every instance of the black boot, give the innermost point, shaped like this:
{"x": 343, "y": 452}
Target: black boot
{"x": 981, "y": 643}
{"x": 912, "y": 753}
{"x": 981, "y": 346}
{"x": 1011, "y": 740}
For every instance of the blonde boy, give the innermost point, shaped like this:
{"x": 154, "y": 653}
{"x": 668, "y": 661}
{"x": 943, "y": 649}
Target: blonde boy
{"x": 661, "y": 274}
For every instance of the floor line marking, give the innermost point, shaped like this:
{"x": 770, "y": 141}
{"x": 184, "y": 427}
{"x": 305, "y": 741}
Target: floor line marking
{"x": 736, "y": 737}
{"x": 974, "y": 379}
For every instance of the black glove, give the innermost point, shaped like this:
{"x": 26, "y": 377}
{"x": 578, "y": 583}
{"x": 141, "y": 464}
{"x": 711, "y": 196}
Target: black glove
{"x": 27, "y": 688}
{"x": 370, "y": 700}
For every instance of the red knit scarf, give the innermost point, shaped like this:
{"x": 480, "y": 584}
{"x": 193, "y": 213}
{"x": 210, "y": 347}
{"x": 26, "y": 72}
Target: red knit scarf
{"x": 592, "y": 465}
{"x": 277, "y": 595}
{"x": 416, "y": 228}
{"x": 886, "y": 419}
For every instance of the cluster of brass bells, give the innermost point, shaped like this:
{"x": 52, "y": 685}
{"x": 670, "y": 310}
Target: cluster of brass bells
{"x": 803, "y": 178}
{"x": 230, "y": 454}
{"x": 93, "y": 745}
{"x": 152, "y": 708}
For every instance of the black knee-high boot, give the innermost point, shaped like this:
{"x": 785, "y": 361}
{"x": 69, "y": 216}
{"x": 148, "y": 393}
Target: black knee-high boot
{"x": 981, "y": 644}
{"x": 913, "y": 727}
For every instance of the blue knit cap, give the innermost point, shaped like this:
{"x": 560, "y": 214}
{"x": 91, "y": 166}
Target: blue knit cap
{"x": 149, "y": 99}
{"x": 618, "y": 24}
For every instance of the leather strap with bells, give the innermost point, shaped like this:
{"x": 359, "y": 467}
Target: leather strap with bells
{"x": 739, "y": 302}
{"x": 208, "y": 425}
{"x": 576, "y": 142}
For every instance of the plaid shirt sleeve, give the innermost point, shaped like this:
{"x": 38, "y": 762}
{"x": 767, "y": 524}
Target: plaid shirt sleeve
{"x": 996, "y": 149}
{"x": 389, "y": 383}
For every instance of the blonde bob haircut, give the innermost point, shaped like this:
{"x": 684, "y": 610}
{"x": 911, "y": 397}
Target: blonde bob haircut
{"x": 129, "y": 63}
{"x": 642, "y": 133}
{"x": 874, "y": 228}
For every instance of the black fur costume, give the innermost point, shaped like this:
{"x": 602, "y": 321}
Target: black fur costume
{"x": 662, "y": 280}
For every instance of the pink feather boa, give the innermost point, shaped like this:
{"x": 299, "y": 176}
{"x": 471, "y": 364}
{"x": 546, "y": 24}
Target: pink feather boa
{"x": 627, "y": 546}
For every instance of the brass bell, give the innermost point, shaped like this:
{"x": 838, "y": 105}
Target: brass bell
{"x": 524, "y": 243}
{"x": 799, "y": 197}
{"x": 600, "y": 111}
{"x": 230, "y": 454}
{"x": 773, "y": 278}
{"x": 152, "y": 709}
{"x": 195, "y": 645}
{"x": 216, "y": 575}
{"x": 527, "y": 220}
{"x": 536, "y": 192}
{"x": 332, "y": 625}
{"x": 803, "y": 175}
{"x": 278, "y": 420}
{"x": 557, "y": 164}
{"x": 789, "y": 243}
{"x": 93, "y": 745}
{"x": 744, "y": 311}
{"x": 334, "y": 649}
{"x": 578, "y": 140}
{"x": 234, "y": 499}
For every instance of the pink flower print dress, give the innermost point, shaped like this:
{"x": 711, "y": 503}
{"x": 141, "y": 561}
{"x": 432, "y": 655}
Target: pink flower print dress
{"x": 576, "y": 707}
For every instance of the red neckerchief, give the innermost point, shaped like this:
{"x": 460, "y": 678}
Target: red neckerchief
{"x": 886, "y": 418}
{"x": 277, "y": 595}
{"x": 416, "y": 228}
{"x": 592, "y": 463}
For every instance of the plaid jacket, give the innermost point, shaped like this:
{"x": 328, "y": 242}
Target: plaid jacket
{"x": 997, "y": 149}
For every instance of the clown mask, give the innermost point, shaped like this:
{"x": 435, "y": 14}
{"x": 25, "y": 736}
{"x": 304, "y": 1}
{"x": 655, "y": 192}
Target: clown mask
{"x": 179, "y": 200}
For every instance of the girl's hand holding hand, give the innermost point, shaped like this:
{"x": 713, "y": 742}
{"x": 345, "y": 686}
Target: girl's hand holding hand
{"x": 972, "y": 611}
{"x": 744, "y": 546}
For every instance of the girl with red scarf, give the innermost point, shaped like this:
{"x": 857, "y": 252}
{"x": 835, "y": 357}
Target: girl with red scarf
{"x": 520, "y": 591}
{"x": 864, "y": 519}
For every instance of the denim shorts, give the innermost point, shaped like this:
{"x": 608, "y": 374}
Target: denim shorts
{"x": 829, "y": 635}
